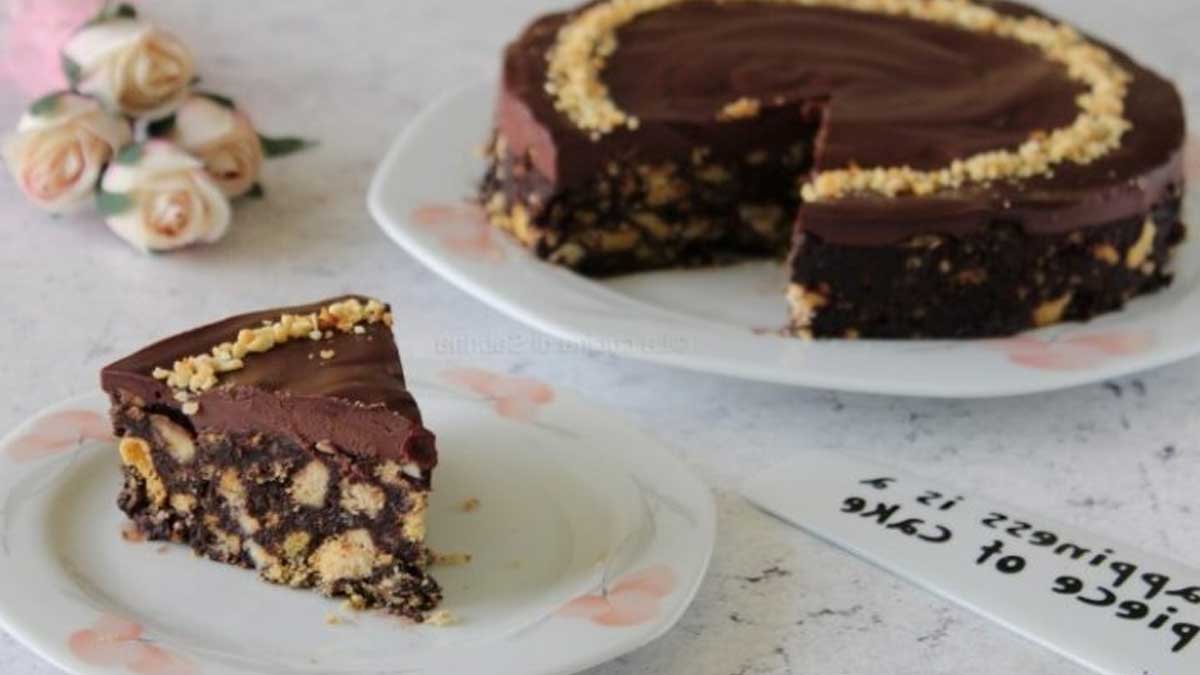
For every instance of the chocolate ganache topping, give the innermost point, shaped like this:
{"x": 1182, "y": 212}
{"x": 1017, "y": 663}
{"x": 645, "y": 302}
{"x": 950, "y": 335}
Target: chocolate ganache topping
{"x": 883, "y": 91}
{"x": 343, "y": 387}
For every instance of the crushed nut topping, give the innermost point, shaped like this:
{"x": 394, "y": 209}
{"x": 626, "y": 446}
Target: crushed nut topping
{"x": 584, "y": 44}
{"x": 741, "y": 109}
{"x": 195, "y": 374}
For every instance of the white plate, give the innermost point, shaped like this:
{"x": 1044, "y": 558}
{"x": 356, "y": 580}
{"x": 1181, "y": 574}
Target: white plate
{"x": 721, "y": 320}
{"x": 590, "y": 540}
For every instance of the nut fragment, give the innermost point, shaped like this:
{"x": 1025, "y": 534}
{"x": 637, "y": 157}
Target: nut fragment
{"x": 135, "y": 452}
{"x": 743, "y": 108}
{"x": 763, "y": 219}
{"x": 232, "y": 490}
{"x": 227, "y": 544}
{"x": 1106, "y": 253}
{"x": 413, "y": 523}
{"x": 310, "y": 485}
{"x": 295, "y": 545}
{"x": 388, "y": 473}
{"x": 362, "y": 498}
{"x": 806, "y": 303}
{"x": 350, "y": 555}
{"x": 184, "y": 503}
{"x": 1143, "y": 247}
{"x": 1052, "y": 311}
{"x": 177, "y": 440}
{"x": 570, "y": 255}
{"x": 440, "y": 618}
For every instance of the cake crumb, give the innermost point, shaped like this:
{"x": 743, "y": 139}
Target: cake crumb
{"x": 469, "y": 505}
{"x": 334, "y": 619}
{"x": 451, "y": 559}
{"x": 440, "y": 618}
{"x": 190, "y": 408}
{"x": 327, "y": 354}
{"x": 133, "y": 534}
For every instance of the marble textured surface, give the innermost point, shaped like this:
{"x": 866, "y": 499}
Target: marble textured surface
{"x": 1121, "y": 458}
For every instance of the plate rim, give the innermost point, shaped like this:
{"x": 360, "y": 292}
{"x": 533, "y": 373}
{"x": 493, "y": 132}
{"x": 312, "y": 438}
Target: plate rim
{"x": 52, "y": 648}
{"x": 398, "y": 228}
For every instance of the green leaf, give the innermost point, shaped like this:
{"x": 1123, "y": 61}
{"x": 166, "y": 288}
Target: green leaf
{"x": 112, "y": 203}
{"x": 218, "y": 98}
{"x": 72, "y": 70}
{"x": 161, "y": 128}
{"x": 112, "y": 11}
{"x": 256, "y": 192}
{"x": 130, "y": 154}
{"x": 46, "y": 105}
{"x": 283, "y": 145}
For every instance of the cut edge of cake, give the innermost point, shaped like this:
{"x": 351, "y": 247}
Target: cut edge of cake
{"x": 630, "y": 206}
{"x": 284, "y": 441}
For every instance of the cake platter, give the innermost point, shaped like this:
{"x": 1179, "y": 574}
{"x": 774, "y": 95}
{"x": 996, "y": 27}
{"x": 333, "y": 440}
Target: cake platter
{"x": 728, "y": 320}
{"x": 587, "y": 538}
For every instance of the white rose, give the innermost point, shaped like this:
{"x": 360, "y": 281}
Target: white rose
{"x": 224, "y": 139}
{"x": 60, "y": 148}
{"x": 131, "y": 65}
{"x": 157, "y": 197}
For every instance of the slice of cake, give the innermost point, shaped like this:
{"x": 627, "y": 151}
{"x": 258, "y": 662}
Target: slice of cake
{"x": 930, "y": 168}
{"x": 284, "y": 441}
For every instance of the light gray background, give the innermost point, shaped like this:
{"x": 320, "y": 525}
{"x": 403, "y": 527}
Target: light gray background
{"x": 1123, "y": 459}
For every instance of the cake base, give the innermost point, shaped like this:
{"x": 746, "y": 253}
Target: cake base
{"x": 638, "y": 217}
{"x": 998, "y": 282}
{"x": 350, "y": 527}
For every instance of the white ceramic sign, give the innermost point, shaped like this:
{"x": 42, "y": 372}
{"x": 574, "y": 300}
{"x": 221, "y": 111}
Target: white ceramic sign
{"x": 1114, "y": 609}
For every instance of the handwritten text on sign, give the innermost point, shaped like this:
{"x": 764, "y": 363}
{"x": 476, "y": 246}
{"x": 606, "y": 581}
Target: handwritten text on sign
{"x": 1113, "y": 609}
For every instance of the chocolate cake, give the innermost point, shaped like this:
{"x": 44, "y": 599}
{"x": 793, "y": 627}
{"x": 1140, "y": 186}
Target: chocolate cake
{"x": 930, "y": 168}
{"x": 284, "y": 441}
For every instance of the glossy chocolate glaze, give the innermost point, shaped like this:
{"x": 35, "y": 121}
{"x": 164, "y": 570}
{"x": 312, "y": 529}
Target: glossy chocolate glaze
{"x": 888, "y": 91}
{"x": 356, "y": 400}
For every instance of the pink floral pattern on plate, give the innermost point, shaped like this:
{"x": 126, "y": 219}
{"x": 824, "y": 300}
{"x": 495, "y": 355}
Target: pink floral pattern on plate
{"x": 1191, "y": 159}
{"x": 59, "y": 432}
{"x": 1077, "y": 352}
{"x": 461, "y": 228}
{"x": 116, "y": 642}
{"x": 517, "y": 398}
{"x": 634, "y": 600}
{"x": 36, "y": 31}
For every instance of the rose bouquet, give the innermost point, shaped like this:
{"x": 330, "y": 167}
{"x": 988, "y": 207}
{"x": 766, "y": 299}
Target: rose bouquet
{"x": 159, "y": 159}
